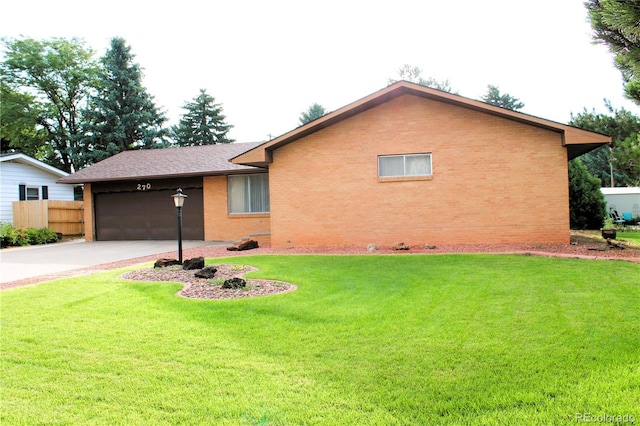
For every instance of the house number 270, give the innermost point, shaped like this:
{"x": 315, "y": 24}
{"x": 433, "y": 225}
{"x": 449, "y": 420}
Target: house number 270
{"x": 144, "y": 186}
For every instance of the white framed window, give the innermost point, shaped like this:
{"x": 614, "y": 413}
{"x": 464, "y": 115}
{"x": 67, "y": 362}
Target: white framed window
{"x": 248, "y": 193}
{"x": 406, "y": 165}
{"x": 33, "y": 193}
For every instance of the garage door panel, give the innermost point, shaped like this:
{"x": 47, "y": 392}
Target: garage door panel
{"x": 147, "y": 215}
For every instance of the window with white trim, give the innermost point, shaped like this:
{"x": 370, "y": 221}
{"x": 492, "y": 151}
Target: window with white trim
{"x": 248, "y": 193}
{"x": 406, "y": 165}
{"x": 33, "y": 193}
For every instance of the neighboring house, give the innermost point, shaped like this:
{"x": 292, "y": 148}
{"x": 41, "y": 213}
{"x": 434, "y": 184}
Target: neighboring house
{"x": 406, "y": 164}
{"x": 623, "y": 200}
{"x": 23, "y": 178}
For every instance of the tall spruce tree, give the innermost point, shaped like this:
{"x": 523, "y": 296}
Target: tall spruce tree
{"x": 203, "y": 123}
{"x": 122, "y": 116}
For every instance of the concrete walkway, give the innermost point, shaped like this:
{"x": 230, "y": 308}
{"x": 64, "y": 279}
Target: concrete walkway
{"x": 20, "y": 263}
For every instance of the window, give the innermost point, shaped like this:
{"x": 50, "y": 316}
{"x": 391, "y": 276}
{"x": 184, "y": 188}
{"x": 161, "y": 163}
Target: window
{"x": 404, "y": 165}
{"x": 33, "y": 193}
{"x": 248, "y": 193}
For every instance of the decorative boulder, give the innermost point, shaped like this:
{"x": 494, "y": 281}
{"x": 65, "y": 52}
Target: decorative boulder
{"x": 245, "y": 245}
{"x": 234, "y": 283}
{"x": 400, "y": 246}
{"x": 208, "y": 272}
{"x": 163, "y": 263}
{"x": 195, "y": 263}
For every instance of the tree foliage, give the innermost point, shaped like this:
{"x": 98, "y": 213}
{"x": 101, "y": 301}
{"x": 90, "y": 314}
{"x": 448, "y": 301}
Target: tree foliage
{"x": 46, "y": 83}
{"x": 504, "y": 100}
{"x": 616, "y": 24}
{"x": 19, "y": 130}
{"x": 203, "y": 123}
{"x": 122, "y": 115}
{"x": 586, "y": 201}
{"x": 413, "y": 74}
{"x": 621, "y": 157}
{"x": 314, "y": 112}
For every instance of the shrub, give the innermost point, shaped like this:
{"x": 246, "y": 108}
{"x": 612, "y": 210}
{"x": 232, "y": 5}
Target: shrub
{"x": 586, "y": 202}
{"x": 11, "y": 236}
{"x": 41, "y": 236}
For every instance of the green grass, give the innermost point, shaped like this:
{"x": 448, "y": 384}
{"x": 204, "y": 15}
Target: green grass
{"x": 632, "y": 237}
{"x": 366, "y": 340}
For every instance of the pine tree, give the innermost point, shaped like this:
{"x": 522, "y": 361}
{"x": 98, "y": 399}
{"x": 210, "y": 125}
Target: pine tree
{"x": 314, "y": 112}
{"x": 615, "y": 24}
{"x": 504, "y": 100}
{"x": 203, "y": 123}
{"x": 122, "y": 116}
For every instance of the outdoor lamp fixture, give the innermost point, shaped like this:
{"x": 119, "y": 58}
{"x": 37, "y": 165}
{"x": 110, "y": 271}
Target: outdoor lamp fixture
{"x": 178, "y": 200}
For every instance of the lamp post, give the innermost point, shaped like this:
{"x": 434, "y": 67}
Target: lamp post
{"x": 178, "y": 200}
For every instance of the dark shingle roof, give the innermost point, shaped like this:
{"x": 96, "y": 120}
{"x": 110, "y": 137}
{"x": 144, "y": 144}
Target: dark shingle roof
{"x": 164, "y": 163}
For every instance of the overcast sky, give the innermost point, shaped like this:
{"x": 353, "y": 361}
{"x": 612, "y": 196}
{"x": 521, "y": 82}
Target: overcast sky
{"x": 267, "y": 61}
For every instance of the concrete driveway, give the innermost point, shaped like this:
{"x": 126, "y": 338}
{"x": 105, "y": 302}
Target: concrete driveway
{"x": 20, "y": 263}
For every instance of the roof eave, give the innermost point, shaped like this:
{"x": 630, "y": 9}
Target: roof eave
{"x": 262, "y": 155}
{"x": 73, "y": 180}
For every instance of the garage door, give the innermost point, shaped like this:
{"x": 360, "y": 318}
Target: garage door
{"x": 147, "y": 215}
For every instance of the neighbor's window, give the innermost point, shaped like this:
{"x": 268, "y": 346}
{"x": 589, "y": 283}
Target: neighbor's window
{"x": 404, "y": 165}
{"x": 33, "y": 193}
{"x": 249, "y": 193}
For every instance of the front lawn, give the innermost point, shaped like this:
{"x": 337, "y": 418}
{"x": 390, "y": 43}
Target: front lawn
{"x": 366, "y": 340}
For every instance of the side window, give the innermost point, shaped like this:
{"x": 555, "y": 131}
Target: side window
{"x": 407, "y": 165}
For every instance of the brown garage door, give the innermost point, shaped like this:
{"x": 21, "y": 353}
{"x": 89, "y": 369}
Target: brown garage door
{"x": 147, "y": 215}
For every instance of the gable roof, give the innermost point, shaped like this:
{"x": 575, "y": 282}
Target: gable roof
{"x": 207, "y": 160}
{"x": 25, "y": 159}
{"x": 577, "y": 141}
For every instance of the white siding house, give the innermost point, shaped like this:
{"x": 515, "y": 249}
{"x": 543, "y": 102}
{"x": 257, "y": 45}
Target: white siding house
{"x": 623, "y": 199}
{"x": 25, "y": 178}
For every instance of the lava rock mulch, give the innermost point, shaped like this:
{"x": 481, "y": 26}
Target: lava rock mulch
{"x": 205, "y": 288}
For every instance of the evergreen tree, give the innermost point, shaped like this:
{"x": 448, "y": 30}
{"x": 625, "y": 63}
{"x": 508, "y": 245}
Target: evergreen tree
{"x": 621, "y": 157}
{"x": 314, "y": 112}
{"x": 616, "y": 24}
{"x": 122, "y": 116}
{"x": 203, "y": 123}
{"x": 504, "y": 100}
{"x": 586, "y": 201}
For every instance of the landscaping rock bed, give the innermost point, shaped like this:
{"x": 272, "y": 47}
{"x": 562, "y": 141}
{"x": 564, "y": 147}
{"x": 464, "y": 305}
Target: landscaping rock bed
{"x": 211, "y": 288}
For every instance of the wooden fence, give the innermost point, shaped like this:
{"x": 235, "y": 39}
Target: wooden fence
{"x": 64, "y": 217}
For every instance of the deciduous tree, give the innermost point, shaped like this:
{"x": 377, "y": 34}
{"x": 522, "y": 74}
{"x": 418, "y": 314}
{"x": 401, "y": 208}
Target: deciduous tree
{"x": 46, "y": 83}
{"x": 413, "y": 74}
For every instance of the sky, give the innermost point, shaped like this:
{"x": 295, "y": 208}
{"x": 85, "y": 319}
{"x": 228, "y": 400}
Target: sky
{"x": 266, "y": 62}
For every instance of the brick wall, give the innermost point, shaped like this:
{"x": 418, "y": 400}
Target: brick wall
{"x": 494, "y": 181}
{"x": 221, "y": 226}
